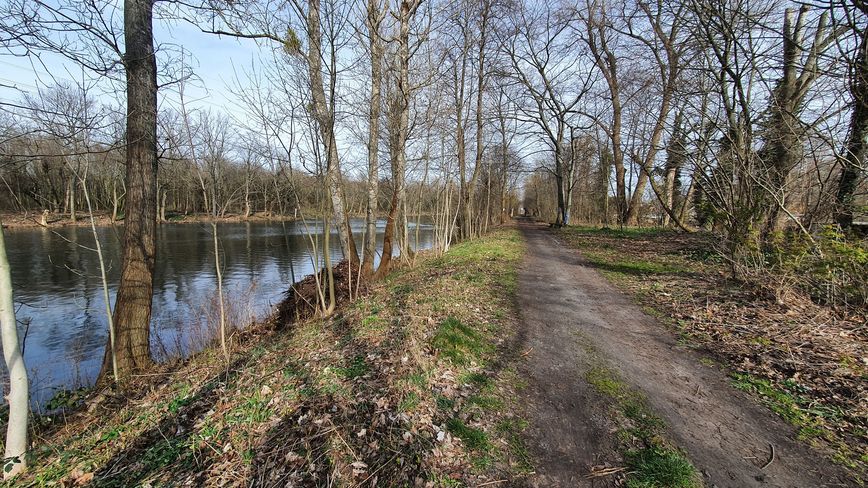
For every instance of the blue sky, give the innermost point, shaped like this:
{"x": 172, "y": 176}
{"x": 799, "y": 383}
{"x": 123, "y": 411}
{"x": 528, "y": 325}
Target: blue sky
{"x": 214, "y": 59}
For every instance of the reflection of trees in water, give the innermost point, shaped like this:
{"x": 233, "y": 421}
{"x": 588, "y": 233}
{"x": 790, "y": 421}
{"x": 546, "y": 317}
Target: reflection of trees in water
{"x": 57, "y": 285}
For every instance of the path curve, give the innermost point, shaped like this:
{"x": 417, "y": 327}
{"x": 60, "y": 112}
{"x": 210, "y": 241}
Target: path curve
{"x": 725, "y": 432}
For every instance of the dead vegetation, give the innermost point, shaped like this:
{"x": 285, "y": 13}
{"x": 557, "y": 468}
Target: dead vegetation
{"x": 807, "y": 362}
{"x": 411, "y": 385}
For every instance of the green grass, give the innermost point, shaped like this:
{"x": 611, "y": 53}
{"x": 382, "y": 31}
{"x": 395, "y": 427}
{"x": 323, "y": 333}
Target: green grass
{"x": 474, "y": 290}
{"x": 163, "y": 453}
{"x": 459, "y": 342}
{"x": 656, "y": 467}
{"x": 357, "y": 367}
{"x": 609, "y": 260}
{"x": 653, "y": 464}
{"x": 474, "y": 439}
{"x": 511, "y": 429}
{"x": 482, "y": 277}
{"x": 618, "y": 233}
{"x": 253, "y": 409}
{"x": 475, "y": 378}
{"x": 410, "y": 401}
{"x": 791, "y": 406}
{"x": 443, "y": 403}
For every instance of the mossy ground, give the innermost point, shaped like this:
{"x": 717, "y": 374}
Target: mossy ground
{"x": 410, "y": 383}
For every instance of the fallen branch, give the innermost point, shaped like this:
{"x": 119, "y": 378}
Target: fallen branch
{"x": 771, "y": 459}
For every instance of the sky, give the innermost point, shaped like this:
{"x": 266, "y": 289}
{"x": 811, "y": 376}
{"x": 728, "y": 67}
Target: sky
{"x": 216, "y": 61}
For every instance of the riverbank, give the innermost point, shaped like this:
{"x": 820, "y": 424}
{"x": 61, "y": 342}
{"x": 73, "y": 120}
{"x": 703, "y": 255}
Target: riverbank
{"x": 806, "y": 362}
{"x": 412, "y": 383}
{"x": 31, "y": 220}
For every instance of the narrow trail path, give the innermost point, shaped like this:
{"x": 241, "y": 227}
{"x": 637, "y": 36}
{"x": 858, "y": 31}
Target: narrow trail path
{"x": 569, "y": 309}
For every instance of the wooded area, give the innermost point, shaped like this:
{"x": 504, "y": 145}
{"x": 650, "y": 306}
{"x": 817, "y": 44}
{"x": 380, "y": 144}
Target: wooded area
{"x": 745, "y": 118}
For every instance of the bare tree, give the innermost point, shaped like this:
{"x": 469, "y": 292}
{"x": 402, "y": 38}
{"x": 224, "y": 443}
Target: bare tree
{"x": 375, "y": 15}
{"x": 323, "y": 111}
{"x": 398, "y": 124}
{"x": 543, "y": 61}
{"x": 14, "y": 455}
{"x": 785, "y": 131}
{"x": 132, "y": 312}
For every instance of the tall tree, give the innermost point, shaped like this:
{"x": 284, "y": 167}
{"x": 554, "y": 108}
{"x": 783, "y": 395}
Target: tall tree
{"x": 398, "y": 124}
{"x": 543, "y": 62}
{"x": 855, "y": 154}
{"x": 323, "y": 111}
{"x": 375, "y": 15}
{"x": 132, "y": 312}
{"x": 785, "y": 131}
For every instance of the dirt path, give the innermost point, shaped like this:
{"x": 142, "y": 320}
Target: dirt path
{"x": 566, "y": 303}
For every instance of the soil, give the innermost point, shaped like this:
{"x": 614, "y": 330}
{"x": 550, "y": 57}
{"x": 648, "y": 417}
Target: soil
{"x": 571, "y": 312}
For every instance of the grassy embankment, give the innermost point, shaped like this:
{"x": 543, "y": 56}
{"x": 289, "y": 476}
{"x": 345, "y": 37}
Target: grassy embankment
{"x": 803, "y": 360}
{"x": 412, "y": 383}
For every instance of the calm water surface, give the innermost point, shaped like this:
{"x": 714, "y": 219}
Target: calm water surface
{"x": 58, "y": 292}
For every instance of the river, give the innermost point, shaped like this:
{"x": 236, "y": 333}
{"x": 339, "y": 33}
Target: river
{"x": 59, "y": 299}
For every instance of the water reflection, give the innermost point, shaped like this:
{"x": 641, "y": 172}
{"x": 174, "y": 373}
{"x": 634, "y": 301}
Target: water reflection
{"x": 59, "y": 301}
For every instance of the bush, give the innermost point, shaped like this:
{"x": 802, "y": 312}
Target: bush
{"x": 832, "y": 270}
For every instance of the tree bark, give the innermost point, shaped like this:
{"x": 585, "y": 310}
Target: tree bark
{"x": 375, "y": 16}
{"x": 15, "y": 461}
{"x": 856, "y": 150}
{"x": 132, "y": 312}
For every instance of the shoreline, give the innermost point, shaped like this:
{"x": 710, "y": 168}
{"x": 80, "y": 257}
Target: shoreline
{"x": 19, "y": 220}
{"x": 13, "y": 221}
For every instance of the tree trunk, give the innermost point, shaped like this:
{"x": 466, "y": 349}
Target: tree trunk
{"x": 114, "y": 202}
{"x": 72, "y": 216}
{"x": 163, "y": 205}
{"x": 374, "y": 18}
{"x": 324, "y": 115}
{"x": 636, "y": 199}
{"x": 480, "y": 89}
{"x": 783, "y": 149}
{"x": 132, "y": 312}
{"x": 854, "y": 157}
{"x": 563, "y": 217}
{"x": 247, "y": 197}
{"x": 15, "y": 460}
{"x": 399, "y": 126}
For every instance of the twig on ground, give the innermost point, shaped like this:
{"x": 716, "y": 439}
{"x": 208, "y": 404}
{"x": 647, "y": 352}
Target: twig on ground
{"x": 495, "y": 482}
{"x": 600, "y": 472}
{"x": 771, "y": 458}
